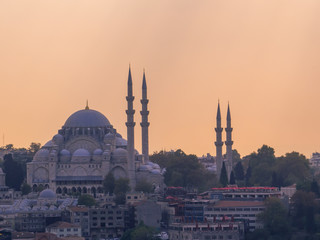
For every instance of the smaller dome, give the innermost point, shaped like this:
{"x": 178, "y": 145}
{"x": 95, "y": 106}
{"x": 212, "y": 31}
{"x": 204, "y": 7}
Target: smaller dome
{"x": 65, "y": 155}
{"x": 49, "y": 144}
{"x": 120, "y": 152}
{"x": 109, "y": 136}
{"x": 150, "y": 164}
{"x": 145, "y": 168}
{"x": 120, "y": 142}
{"x": 58, "y": 139}
{"x": 155, "y": 171}
{"x": 81, "y": 152}
{"x": 41, "y": 155}
{"x": 47, "y": 194}
{"x": 118, "y": 135}
{"x": 81, "y": 155}
{"x": 155, "y": 166}
{"x": 65, "y": 152}
{"x": 98, "y": 151}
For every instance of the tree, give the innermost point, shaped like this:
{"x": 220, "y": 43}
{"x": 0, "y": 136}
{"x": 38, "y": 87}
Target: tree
{"x": 120, "y": 190}
{"x": 34, "y": 147}
{"x": 239, "y": 172}
{"x": 304, "y": 208}
{"x": 274, "y": 218}
{"x": 140, "y": 232}
{"x": 25, "y": 188}
{"x": 274, "y": 182}
{"x": 121, "y": 185}
{"x": 292, "y": 168}
{"x": 109, "y": 183}
{"x": 315, "y": 187}
{"x": 235, "y": 156}
{"x": 86, "y": 200}
{"x": 248, "y": 176}
{"x": 232, "y": 179}
{"x": 14, "y": 172}
{"x": 144, "y": 186}
{"x": 223, "y": 175}
{"x": 9, "y": 147}
{"x": 183, "y": 170}
{"x": 120, "y": 198}
{"x": 262, "y": 164}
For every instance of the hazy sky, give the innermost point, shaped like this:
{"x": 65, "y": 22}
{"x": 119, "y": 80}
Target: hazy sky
{"x": 261, "y": 56}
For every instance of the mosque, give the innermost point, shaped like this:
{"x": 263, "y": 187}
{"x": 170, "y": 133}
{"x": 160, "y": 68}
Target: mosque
{"x": 88, "y": 147}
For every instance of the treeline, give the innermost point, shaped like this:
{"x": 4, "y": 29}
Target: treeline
{"x": 14, "y": 165}
{"x": 261, "y": 168}
{"x": 299, "y": 220}
{"x": 184, "y": 170}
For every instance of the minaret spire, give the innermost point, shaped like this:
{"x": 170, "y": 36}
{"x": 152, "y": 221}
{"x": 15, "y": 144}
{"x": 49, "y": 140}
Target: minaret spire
{"x": 144, "y": 121}
{"x": 130, "y": 132}
{"x": 229, "y": 142}
{"x": 218, "y": 142}
{"x": 87, "y": 106}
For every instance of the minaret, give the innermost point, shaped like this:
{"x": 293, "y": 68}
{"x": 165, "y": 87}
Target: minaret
{"x": 144, "y": 122}
{"x": 229, "y": 143}
{"x": 130, "y": 133}
{"x": 218, "y": 143}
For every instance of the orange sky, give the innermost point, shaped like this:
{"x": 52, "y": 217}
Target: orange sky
{"x": 261, "y": 56}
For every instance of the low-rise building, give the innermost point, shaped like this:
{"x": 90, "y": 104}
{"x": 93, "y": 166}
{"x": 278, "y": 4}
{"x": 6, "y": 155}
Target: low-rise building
{"x": 64, "y": 229}
{"x": 315, "y": 160}
{"x": 204, "y": 231}
{"x": 80, "y": 215}
{"x": 107, "y": 222}
{"x": 243, "y": 193}
{"x": 238, "y": 210}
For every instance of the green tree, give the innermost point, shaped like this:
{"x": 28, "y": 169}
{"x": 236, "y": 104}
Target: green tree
{"x": 292, "y": 168}
{"x": 274, "y": 181}
{"x": 315, "y": 187}
{"x": 25, "y": 188}
{"x": 248, "y": 176}
{"x": 121, "y": 185}
{"x": 120, "y": 198}
{"x": 223, "y": 175}
{"x": 14, "y": 172}
{"x": 232, "y": 179}
{"x": 275, "y": 218}
{"x": 183, "y": 170}
{"x": 235, "y": 157}
{"x": 120, "y": 190}
{"x": 109, "y": 183}
{"x": 9, "y": 147}
{"x": 34, "y": 147}
{"x": 304, "y": 206}
{"x": 144, "y": 186}
{"x": 140, "y": 232}
{"x": 86, "y": 200}
{"x": 262, "y": 164}
{"x": 239, "y": 172}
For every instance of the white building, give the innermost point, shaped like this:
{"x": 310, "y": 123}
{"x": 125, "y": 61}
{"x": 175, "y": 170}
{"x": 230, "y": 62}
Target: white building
{"x": 64, "y": 229}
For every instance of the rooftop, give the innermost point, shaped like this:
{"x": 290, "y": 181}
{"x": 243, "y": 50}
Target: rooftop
{"x": 62, "y": 225}
{"x": 223, "y": 203}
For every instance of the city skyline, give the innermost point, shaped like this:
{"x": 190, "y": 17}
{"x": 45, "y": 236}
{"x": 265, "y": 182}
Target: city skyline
{"x": 261, "y": 57}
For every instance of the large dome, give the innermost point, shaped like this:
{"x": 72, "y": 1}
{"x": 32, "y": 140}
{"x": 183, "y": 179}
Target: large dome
{"x": 87, "y": 118}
